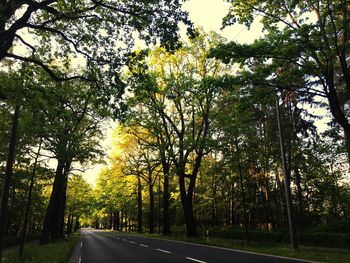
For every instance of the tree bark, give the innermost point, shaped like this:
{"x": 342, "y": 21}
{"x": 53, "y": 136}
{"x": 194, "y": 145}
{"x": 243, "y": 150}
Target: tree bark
{"x": 77, "y": 224}
{"x": 151, "y": 207}
{"x": 51, "y": 222}
{"x": 240, "y": 172}
{"x": 187, "y": 204}
{"x": 166, "y": 204}
{"x": 69, "y": 230}
{"x": 8, "y": 174}
{"x": 29, "y": 200}
{"x": 139, "y": 205}
{"x": 63, "y": 200}
{"x": 118, "y": 220}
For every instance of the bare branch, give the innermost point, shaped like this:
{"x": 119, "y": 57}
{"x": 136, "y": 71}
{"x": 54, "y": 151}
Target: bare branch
{"x": 26, "y": 44}
{"x": 52, "y": 74}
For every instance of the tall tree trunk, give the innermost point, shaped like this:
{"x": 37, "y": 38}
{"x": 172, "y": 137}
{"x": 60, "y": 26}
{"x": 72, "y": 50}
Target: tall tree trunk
{"x": 51, "y": 221}
{"x": 77, "y": 224}
{"x": 121, "y": 220}
{"x": 214, "y": 216}
{"x": 117, "y": 220}
{"x": 266, "y": 176}
{"x": 63, "y": 198}
{"x": 166, "y": 204}
{"x": 232, "y": 201}
{"x": 299, "y": 194}
{"x": 71, "y": 224}
{"x": 8, "y": 174}
{"x": 240, "y": 172}
{"x": 110, "y": 225}
{"x": 336, "y": 107}
{"x": 166, "y": 195}
{"x": 139, "y": 205}
{"x": 29, "y": 200}
{"x": 68, "y": 231}
{"x": 151, "y": 207}
{"x": 114, "y": 220}
{"x": 187, "y": 204}
{"x": 292, "y": 231}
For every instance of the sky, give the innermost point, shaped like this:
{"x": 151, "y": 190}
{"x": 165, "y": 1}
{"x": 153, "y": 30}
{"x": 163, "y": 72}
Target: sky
{"x": 209, "y": 15}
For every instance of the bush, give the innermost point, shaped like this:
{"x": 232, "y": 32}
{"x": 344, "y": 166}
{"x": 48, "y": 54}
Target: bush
{"x": 325, "y": 239}
{"x": 322, "y": 239}
{"x": 336, "y": 226}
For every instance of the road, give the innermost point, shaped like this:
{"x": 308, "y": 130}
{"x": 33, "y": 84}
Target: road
{"x": 116, "y": 247}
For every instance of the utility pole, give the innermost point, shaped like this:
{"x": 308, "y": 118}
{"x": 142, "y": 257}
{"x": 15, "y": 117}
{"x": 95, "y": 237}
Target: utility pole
{"x": 292, "y": 232}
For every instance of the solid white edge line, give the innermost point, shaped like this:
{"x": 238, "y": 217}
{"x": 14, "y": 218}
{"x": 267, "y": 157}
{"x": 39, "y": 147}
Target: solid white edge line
{"x": 236, "y": 250}
{"x": 81, "y": 245}
{"x": 231, "y": 249}
{"x": 142, "y": 245}
{"x": 80, "y": 259}
{"x": 162, "y": 250}
{"x": 197, "y": 260}
{"x": 132, "y": 242}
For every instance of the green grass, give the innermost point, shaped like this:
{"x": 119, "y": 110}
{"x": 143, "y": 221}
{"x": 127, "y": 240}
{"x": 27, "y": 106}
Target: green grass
{"x": 58, "y": 252}
{"x": 331, "y": 255}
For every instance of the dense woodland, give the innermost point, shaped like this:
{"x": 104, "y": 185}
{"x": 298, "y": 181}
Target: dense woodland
{"x": 197, "y": 147}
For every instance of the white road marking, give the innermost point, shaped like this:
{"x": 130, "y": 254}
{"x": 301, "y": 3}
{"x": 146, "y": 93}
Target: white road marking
{"x": 81, "y": 245}
{"x": 79, "y": 259}
{"x": 197, "y": 260}
{"x": 235, "y": 250}
{"x": 165, "y": 251}
{"x": 142, "y": 245}
{"x": 132, "y": 242}
{"x": 124, "y": 239}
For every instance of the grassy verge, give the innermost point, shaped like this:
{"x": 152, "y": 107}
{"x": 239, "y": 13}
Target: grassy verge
{"x": 58, "y": 252}
{"x": 331, "y": 255}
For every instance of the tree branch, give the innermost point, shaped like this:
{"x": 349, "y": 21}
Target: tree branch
{"x": 52, "y": 74}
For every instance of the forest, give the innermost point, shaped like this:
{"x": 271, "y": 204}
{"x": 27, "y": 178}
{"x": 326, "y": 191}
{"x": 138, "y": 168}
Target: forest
{"x": 211, "y": 137}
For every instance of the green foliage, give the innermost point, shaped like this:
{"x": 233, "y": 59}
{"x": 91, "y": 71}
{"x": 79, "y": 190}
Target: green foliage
{"x": 99, "y": 34}
{"x": 241, "y": 166}
{"x": 58, "y": 252}
{"x": 80, "y": 197}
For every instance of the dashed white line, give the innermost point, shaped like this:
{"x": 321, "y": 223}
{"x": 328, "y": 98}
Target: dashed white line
{"x": 132, "y": 242}
{"x": 164, "y": 251}
{"x": 81, "y": 245}
{"x": 196, "y": 260}
{"x": 143, "y": 245}
{"x": 124, "y": 239}
{"x": 79, "y": 259}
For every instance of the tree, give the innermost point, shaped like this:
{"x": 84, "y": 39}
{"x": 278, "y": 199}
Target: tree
{"x": 305, "y": 49}
{"x": 189, "y": 76}
{"x": 73, "y": 132}
{"x": 115, "y": 194}
{"x": 92, "y": 30}
{"x": 15, "y": 98}
{"x": 79, "y": 200}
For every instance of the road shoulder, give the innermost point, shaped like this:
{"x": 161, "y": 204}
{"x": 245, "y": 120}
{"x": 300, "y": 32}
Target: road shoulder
{"x": 75, "y": 256}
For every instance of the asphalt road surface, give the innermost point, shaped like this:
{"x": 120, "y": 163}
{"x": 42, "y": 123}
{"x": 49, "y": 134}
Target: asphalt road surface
{"x": 115, "y": 247}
